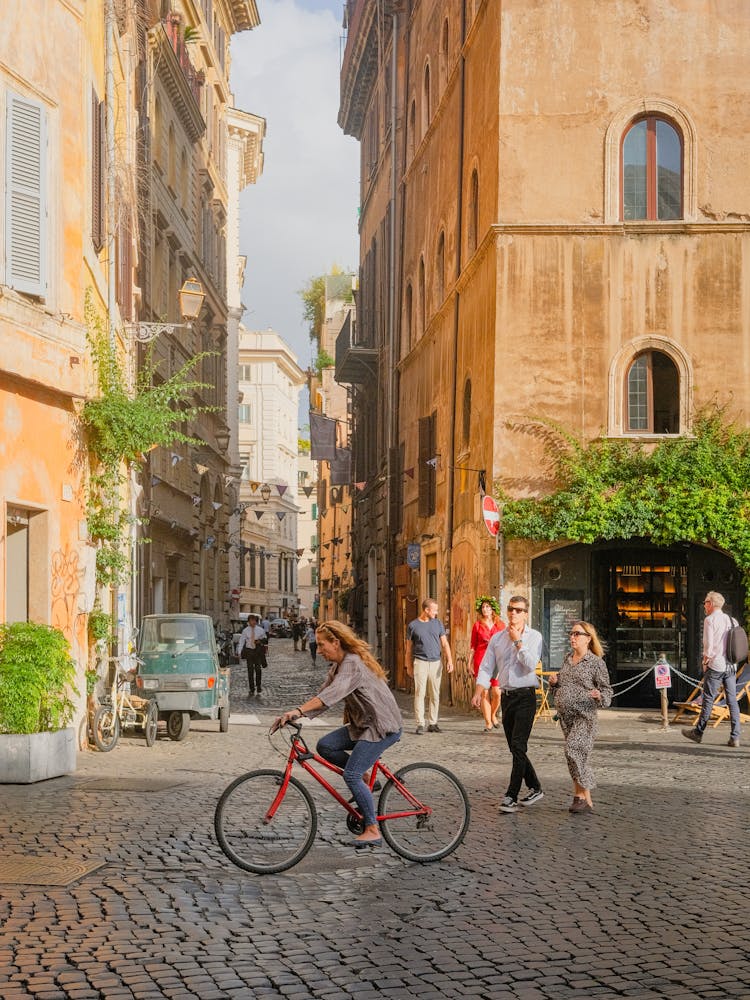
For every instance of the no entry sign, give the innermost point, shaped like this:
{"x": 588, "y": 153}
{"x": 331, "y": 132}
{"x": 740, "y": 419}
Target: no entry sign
{"x": 491, "y": 515}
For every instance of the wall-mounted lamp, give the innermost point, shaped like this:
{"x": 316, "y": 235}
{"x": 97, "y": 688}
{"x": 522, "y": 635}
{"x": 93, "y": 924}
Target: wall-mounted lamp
{"x": 265, "y": 492}
{"x": 191, "y": 297}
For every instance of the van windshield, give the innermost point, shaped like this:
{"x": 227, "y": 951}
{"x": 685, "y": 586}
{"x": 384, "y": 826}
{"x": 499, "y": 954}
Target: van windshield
{"x": 161, "y": 634}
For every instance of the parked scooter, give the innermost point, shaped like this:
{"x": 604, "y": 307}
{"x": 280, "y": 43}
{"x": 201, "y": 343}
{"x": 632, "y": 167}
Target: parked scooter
{"x": 225, "y": 646}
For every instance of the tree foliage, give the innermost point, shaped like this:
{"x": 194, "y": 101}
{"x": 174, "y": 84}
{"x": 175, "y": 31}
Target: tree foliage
{"x": 313, "y": 297}
{"x": 121, "y": 427}
{"x": 684, "y": 489}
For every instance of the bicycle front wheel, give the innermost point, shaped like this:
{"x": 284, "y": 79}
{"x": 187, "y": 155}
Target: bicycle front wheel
{"x": 106, "y": 728}
{"x": 427, "y": 836}
{"x": 253, "y": 838}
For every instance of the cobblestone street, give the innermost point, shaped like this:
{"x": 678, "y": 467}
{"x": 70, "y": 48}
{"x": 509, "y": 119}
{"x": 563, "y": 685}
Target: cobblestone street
{"x": 646, "y": 898}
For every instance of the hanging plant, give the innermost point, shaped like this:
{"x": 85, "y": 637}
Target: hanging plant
{"x": 683, "y": 489}
{"x": 121, "y": 426}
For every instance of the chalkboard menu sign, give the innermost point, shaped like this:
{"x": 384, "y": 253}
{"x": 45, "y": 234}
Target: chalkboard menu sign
{"x": 562, "y": 613}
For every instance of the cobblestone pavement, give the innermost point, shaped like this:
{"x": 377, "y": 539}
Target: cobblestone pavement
{"x": 646, "y": 898}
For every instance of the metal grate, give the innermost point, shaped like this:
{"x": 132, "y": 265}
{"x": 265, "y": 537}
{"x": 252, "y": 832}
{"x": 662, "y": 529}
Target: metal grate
{"x": 44, "y": 871}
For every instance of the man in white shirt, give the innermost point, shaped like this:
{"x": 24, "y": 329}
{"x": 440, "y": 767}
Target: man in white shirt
{"x": 716, "y": 670}
{"x": 253, "y": 641}
{"x": 512, "y": 657}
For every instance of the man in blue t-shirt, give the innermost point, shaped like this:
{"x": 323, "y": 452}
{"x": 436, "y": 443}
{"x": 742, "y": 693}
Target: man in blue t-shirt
{"x": 425, "y": 642}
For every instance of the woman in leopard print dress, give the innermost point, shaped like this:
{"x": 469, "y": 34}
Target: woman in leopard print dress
{"x": 581, "y": 687}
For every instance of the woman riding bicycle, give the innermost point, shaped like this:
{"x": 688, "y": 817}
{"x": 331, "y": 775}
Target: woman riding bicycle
{"x": 372, "y": 719}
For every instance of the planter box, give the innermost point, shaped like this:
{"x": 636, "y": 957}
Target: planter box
{"x": 36, "y": 756}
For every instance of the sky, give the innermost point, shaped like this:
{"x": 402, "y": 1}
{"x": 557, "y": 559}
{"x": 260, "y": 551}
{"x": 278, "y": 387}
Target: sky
{"x": 301, "y": 217}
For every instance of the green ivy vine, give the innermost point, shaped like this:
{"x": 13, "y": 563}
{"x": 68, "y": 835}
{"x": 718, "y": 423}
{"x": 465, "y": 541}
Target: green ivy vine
{"x": 682, "y": 489}
{"x": 121, "y": 427}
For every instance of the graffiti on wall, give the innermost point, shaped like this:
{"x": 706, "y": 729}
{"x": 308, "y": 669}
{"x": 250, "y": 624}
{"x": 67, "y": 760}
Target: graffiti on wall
{"x": 66, "y": 581}
{"x": 463, "y": 584}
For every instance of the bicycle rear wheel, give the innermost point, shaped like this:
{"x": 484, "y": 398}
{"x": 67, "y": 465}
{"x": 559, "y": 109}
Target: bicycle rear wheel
{"x": 430, "y": 837}
{"x": 252, "y": 840}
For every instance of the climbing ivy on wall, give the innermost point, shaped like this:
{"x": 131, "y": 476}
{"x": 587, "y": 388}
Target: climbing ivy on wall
{"x": 121, "y": 425}
{"x": 682, "y": 489}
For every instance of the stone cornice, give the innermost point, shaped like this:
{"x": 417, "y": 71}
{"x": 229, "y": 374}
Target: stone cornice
{"x": 359, "y": 68}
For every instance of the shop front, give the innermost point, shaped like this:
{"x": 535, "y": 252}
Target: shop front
{"x": 643, "y": 600}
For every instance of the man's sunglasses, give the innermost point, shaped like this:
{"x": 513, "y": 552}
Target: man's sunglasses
{"x": 512, "y": 607}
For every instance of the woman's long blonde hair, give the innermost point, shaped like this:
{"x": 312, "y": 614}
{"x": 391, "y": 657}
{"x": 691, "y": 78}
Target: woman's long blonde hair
{"x": 596, "y": 646}
{"x": 351, "y": 643}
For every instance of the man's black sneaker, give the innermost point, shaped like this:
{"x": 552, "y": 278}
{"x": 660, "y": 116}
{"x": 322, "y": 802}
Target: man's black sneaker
{"x": 692, "y": 734}
{"x": 534, "y": 796}
{"x": 419, "y": 730}
{"x": 434, "y": 729}
{"x": 509, "y": 805}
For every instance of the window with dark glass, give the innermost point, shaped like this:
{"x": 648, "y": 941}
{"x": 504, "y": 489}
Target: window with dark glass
{"x": 653, "y": 395}
{"x": 652, "y": 171}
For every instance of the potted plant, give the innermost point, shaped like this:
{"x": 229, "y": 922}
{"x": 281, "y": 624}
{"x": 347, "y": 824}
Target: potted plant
{"x": 37, "y": 676}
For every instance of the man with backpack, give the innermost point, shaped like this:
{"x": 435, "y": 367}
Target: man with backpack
{"x": 717, "y": 669}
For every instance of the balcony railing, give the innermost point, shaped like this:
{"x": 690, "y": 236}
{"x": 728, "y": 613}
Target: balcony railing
{"x": 173, "y": 28}
{"x": 355, "y": 363}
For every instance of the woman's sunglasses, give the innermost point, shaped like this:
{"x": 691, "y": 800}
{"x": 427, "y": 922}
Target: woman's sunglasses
{"x": 577, "y": 633}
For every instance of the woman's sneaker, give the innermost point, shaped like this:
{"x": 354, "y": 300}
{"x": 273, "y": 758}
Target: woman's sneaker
{"x": 534, "y": 796}
{"x": 509, "y": 805}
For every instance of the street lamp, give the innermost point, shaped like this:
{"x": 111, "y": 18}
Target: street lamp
{"x": 190, "y": 296}
{"x": 265, "y": 492}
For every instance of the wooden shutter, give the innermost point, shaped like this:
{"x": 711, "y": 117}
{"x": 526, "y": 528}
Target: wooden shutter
{"x": 98, "y": 138}
{"x": 424, "y": 468}
{"x": 25, "y": 196}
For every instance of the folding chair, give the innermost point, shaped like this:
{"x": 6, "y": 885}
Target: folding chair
{"x": 720, "y": 709}
{"x": 543, "y": 708}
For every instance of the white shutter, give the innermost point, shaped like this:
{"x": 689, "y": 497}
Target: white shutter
{"x": 25, "y": 196}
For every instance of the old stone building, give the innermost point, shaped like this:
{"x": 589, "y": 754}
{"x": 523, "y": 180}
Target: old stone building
{"x": 269, "y": 384}
{"x": 568, "y": 240}
{"x": 185, "y": 152}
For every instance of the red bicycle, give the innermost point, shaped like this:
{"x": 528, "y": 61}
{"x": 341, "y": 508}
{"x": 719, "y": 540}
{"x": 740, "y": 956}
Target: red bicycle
{"x": 266, "y": 821}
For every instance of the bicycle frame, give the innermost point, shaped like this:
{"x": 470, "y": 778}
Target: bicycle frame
{"x": 300, "y": 753}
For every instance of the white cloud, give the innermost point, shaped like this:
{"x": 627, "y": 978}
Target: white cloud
{"x": 301, "y": 216}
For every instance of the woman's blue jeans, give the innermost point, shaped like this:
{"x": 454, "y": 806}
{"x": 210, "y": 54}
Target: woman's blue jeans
{"x": 356, "y": 757}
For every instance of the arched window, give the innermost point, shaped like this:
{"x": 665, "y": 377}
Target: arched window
{"x": 473, "y": 212}
{"x": 426, "y": 106}
{"x": 652, "y": 168}
{"x": 422, "y": 303}
{"x": 440, "y": 268}
{"x": 466, "y": 413}
{"x": 444, "y": 45}
{"x": 408, "y": 317}
{"x": 652, "y": 395}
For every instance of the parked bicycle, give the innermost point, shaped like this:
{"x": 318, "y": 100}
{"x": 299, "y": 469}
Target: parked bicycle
{"x": 266, "y": 820}
{"x": 121, "y": 709}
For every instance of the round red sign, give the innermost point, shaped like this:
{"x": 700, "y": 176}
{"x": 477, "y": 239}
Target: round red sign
{"x": 491, "y": 515}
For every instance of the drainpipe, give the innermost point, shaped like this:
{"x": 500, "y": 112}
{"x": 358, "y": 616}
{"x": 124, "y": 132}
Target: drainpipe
{"x": 389, "y": 633}
{"x": 109, "y": 97}
{"x": 456, "y": 312}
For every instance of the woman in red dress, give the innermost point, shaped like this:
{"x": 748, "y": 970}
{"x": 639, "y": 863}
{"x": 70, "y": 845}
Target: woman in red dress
{"x": 487, "y": 623}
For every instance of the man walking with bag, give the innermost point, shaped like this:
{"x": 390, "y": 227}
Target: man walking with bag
{"x": 717, "y": 670}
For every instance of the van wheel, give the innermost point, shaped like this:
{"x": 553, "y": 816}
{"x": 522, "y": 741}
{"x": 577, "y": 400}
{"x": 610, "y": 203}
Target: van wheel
{"x": 178, "y": 724}
{"x": 224, "y": 719}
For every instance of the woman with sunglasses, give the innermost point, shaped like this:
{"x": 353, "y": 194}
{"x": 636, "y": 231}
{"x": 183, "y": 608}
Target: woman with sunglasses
{"x": 581, "y": 687}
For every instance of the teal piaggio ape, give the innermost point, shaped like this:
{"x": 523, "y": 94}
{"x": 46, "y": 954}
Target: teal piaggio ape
{"x": 179, "y": 670}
